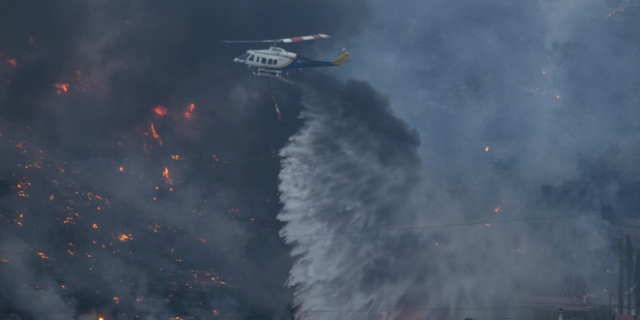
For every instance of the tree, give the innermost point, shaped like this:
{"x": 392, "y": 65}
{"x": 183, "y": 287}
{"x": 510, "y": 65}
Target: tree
{"x": 573, "y": 286}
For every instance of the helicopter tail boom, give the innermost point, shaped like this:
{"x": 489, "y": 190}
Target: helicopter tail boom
{"x": 341, "y": 59}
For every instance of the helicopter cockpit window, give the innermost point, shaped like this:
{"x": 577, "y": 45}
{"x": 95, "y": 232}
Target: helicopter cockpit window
{"x": 245, "y": 55}
{"x": 270, "y": 61}
{"x": 264, "y": 60}
{"x": 251, "y": 58}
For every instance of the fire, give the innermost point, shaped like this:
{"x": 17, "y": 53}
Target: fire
{"x": 41, "y": 254}
{"x": 497, "y": 209}
{"x": 62, "y": 86}
{"x": 486, "y": 149}
{"x": 51, "y": 197}
{"x": 175, "y": 157}
{"x": 13, "y": 62}
{"x": 160, "y": 110}
{"x": 165, "y": 175}
{"x": 155, "y": 134}
{"x": 124, "y": 237}
{"x": 121, "y": 168}
{"x": 95, "y": 226}
{"x": 188, "y": 113}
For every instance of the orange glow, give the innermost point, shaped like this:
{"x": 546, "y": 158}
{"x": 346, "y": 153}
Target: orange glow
{"x": 62, "y": 86}
{"x": 175, "y": 157}
{"x": 155, "y": 134}
{"x": 41, "y": 254}
{"x": 497, "y": 209}
{"x": 13, "y": 62}
{"x": 51, "y": 197}
{"x": 160, "y": 110}
{"x": 121, "y": 168}
{"x": 544, "y": 72}
{"x": 486, "y": 149}
{"x": 100, "y": 318}
{"x": 95, "y": 226}
{"x": 165, "y": 175}
{"x": 124, "y": 237}
{"x": 188, "y": 113}
{"x": 558, "y": 96}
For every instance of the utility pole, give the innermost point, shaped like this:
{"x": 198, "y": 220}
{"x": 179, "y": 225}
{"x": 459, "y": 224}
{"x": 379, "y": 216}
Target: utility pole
{"x": 621, "y": 277}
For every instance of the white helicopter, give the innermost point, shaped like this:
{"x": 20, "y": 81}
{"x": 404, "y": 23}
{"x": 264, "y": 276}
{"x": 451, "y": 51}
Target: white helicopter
{"x": 271, "y": 62}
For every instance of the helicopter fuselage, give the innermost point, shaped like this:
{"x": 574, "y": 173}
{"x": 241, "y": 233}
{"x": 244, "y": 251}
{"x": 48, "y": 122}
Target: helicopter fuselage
{"x": 278, "y": 58}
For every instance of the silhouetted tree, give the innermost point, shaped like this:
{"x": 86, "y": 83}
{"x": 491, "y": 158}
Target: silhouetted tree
{"x": 573, "y": 286}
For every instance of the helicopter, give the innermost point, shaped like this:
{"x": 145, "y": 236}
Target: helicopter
{"x": 271, "y": 62}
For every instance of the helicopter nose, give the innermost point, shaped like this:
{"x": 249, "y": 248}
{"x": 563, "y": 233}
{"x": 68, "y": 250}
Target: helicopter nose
{"x": 237, "y": 60}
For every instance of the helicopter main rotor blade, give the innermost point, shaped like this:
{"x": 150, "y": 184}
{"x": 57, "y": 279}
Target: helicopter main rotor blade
{"x": 305, "y": 38}
{"x": 248, "y": 41}
{"x": 285, "y": 40}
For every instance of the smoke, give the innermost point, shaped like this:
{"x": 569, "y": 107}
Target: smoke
{"x": 352, "y": 175}
{"x": 109, "y": 207}
{"x": 524, "y": 112}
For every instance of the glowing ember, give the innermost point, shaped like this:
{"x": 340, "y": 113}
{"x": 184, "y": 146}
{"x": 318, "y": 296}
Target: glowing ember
{"x": 124, "y": 237}
{"x": 95, "y": 226}
{"x": 41, "y": 254}
{"x": 188, "y": 113}
{"x": 155, "y": 134}
{"x": 486, "y": 149}
{"x": 175, "y": 157}
{"x": 165, "y": 176}
{"x": 13, "y": 62}
{"x": 121, "y": 168}
{"x": 160, "y": 110}
{"x": 61, "y": 86}
{"x": 544, "y": 72}
{"x": 497, "y": 209}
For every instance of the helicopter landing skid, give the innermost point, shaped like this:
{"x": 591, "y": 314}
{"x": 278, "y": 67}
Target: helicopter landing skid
{"x": 268, "y": 73}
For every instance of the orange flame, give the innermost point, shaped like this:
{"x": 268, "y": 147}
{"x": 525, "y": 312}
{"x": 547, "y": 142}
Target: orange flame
{"x": 124, "y": 237}
{"x": 155, "y": 134}
{"x": 188, "y": 113}
{"x": 160, "y": 110}
{"x": 165, "y": 175}
{"x": 497, "y": 209}
{"x": 62, "y": 86}
{"x": 486, "y": 149}
{"x": 95, "y": 226}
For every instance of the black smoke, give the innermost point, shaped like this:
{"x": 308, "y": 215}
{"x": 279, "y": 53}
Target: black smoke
{"x": 111, "y": 207}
